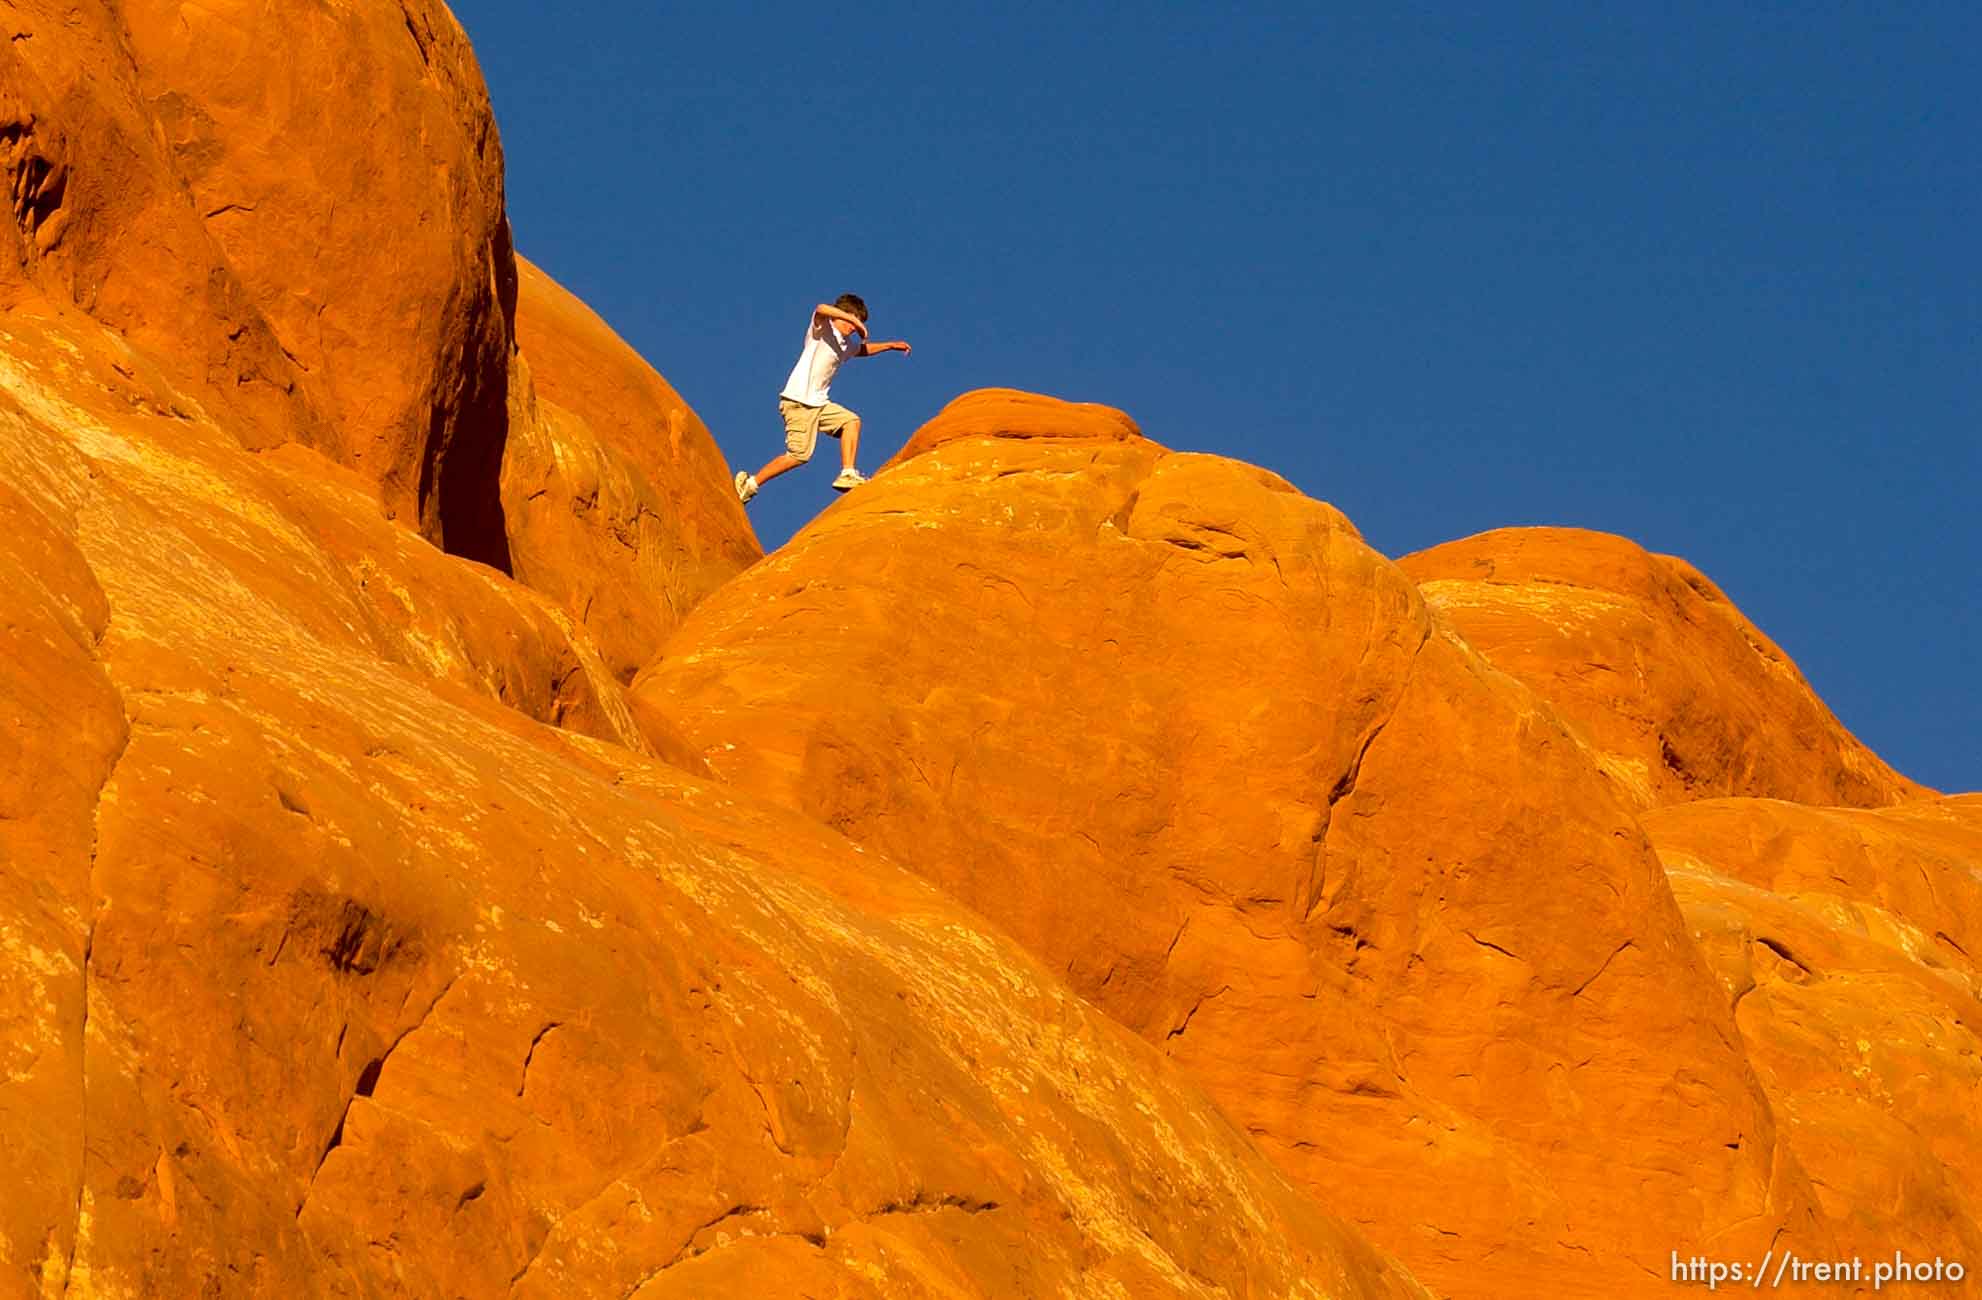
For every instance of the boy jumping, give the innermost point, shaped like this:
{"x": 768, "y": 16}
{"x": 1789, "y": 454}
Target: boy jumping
{"x": 807, "y": 411}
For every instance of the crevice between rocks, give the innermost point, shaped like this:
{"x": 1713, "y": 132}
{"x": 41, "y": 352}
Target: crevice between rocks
{"x": 95, "y": 903}
{"x": 920, "y": 1203}
{"x": 531, "y": 1055}
{"x": 1615, "y": 953}
{"x": 1191, "y": 1015}
{"x": 1345, "y": 785}
{"x": 1488, "y": 943}
{"x": 688, "y": 1250}
{"x": 366, "y": 1084}
{"x": 1782, "y": 951}
{"x": 585, "y": 1203}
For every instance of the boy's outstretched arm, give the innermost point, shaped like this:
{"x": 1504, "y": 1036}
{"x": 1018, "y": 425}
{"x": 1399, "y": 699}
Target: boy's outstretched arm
{"x": 834, "y": 313}
{"x": 893, "y": 345}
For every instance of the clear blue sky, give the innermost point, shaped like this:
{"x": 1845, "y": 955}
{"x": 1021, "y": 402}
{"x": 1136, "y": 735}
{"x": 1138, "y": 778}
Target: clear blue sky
{"x": 1703, "y": 274}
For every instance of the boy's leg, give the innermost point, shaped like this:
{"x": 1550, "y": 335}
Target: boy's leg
{"x": 801, "y": 436}
{"x": 844, "y": 425}
{"x": 783, "y": 463}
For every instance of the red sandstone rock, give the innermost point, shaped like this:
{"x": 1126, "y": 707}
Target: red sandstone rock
{"x": 1677, "y": 694}
{"x": 61, "y": 728}
{"x": 333, "y": 268}
{"x": 345, "y": 160}
{"x": 327, "y": 969}
{"x": 102, "y": 219}
{"x": 298, "y": 210}
{"x": 618, "y": 503}
{"x": 1846, "y": 941}
{"x": 1012, "y": 413}
{"x": 1178, "y": 730}
{"x": 295, "y": 528}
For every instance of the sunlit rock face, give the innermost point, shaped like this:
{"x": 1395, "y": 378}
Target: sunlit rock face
{"x": 1678, "y": 695}
{"x": 300, "y": 207}
{"x": 1176, "y": 728}
{"x": 332, "y": 966}
{"x": 1846, "y": 942}
{"x": 353, "y": 937}
{"x": 617, "y": 503}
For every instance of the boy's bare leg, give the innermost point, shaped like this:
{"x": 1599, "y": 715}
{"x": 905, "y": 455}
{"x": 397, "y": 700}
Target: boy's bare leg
{"x": 784, "y": 464}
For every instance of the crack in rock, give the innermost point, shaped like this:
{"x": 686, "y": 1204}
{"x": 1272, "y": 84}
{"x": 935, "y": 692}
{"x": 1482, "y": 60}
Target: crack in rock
{"x": 366, "y": 1084}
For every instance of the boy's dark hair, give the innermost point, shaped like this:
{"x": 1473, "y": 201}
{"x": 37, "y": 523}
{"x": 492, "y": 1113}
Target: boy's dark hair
{"x": 851, "y": 302}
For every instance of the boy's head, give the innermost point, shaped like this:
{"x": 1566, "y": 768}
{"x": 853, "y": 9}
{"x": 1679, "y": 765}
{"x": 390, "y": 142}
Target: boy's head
{"x": 850, "y": 302}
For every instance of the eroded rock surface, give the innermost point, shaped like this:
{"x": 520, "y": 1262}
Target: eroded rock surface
{"x": 298, "y": 209}
{"x": 1177, "y": 729}
{"x": 344, "y": 159}
{"x": 1845, "y": 940}
{"x": 331, "y": 966}
{"x": 295, "y": 216}
{"x": 332, "y": 969}
{"x": 1678, "y": 695}
{"x": 61, "y": 729}
{"x": 103, "y": 219}
{"x": 618, "y": 504}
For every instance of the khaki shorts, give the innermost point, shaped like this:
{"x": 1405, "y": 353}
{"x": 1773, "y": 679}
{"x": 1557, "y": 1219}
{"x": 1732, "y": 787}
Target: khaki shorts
{"x": 804, "y": 424}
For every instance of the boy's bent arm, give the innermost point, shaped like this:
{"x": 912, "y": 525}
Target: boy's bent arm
{"x": 834, "y": 313}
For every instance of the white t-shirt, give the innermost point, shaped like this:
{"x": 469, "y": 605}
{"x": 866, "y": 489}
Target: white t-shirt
{"x": 825, "y": 347}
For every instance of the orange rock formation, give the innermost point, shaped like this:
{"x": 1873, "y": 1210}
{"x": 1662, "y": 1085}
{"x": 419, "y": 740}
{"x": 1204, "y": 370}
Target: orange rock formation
{"x": 330, "y": 972}
{"x": 1178, "y": 730}
{"x": 617, "y": 500}
{"x": 1068, "y": 868}
{"x": 1846, "y": 942}
{"x": 1676, "y": 693}
{"x": 194, "y": 192}
{"x": 351, "y": 941}
{"x": 402, "y": 326}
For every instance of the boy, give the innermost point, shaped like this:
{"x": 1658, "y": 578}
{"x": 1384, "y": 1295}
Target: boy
{"x": 807, "y": 410}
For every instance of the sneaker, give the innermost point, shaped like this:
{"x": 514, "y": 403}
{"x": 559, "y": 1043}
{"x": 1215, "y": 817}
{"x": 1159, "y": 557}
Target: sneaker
{"x": 746, "y": 486}
{"x": 849, "y": 478}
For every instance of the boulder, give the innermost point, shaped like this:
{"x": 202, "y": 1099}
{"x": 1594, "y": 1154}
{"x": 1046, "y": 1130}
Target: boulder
{"x": 345, "y": 161}
{"x": 1846, "y": 942}
{"x": 1677, "y": 694}
{"x": 1179, "y": 731}
{"x": 296, "y": 215}
{"x": 328, "y": 967}
{"x": 298, "y": 210}
{"x": 1016, "y": 414}
{"x": 617, "y": 501}
{"x": 102, "y": 220}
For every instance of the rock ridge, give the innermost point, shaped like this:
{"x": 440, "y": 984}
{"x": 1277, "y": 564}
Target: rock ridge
{"x": 1175, "y": 728}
